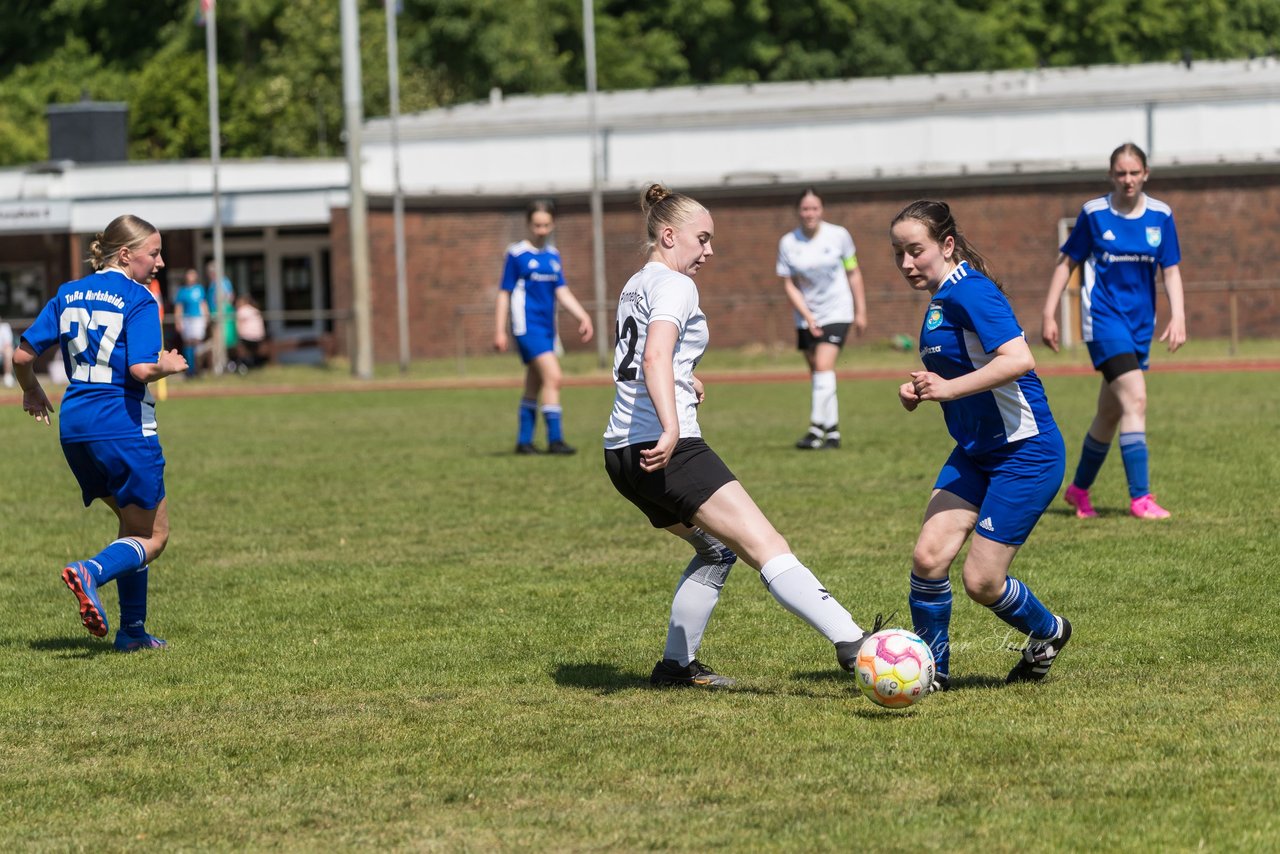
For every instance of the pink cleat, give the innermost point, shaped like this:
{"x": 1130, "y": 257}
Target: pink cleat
{"x": 1079, "y": 499}
{"x": 1145, "y": 507}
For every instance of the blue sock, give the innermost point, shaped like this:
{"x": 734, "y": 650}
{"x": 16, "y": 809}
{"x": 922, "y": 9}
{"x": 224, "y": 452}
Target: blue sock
{"x": 1092, "y": 455}
{"x": 528, "y": 421}
{"x": 931, "y": 617}
{"x": 1020, "y": 608}
{"x": 132, "y": 587}
{"x": 123, "y": 555}
{"x": 1133, "y": 450}
{"x": 189, "y": 353}
{"x": 551, "y": 414}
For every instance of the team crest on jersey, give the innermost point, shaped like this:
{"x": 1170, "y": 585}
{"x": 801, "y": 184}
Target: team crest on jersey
{"x": 1153, "y": 236}
{"x": 933, "y": 318}
{"x": 533, "y": 263}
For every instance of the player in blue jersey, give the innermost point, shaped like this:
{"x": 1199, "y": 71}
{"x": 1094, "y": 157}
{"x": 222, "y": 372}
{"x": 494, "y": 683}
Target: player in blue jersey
{"x": 107, "y": 327}
{"x": 1009, "y": 458}
{"x": 1124, "y": 240}
{"x": 532, "y": 285}
{"x": 192, "y": 315}
{"x": 819, "y": 268}
{"x": 656, "y": 457}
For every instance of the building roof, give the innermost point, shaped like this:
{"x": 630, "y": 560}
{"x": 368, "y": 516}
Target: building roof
{"x": 1042, "y": 120}
{"x": 82, "y": 198}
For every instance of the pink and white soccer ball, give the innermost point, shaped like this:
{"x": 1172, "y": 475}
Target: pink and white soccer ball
{"x": 895, "y": 668}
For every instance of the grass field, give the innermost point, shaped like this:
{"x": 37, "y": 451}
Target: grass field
{"x": 386, "y": 631}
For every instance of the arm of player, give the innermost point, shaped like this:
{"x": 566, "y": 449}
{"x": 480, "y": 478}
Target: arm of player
{"x": 169, "y": 363}
{"x": 797, "y": 302}
{"x": 660, "y": 381}
{"x": 1175, "y": 333}
{"x": 566, "y": 298}
{"x": 34, "y": 401}
{"x": 501, "y": 310}
{"x": 1057, "y": 284}
{"x": 859, "y": 300}
{"x": 1012, "y": 359}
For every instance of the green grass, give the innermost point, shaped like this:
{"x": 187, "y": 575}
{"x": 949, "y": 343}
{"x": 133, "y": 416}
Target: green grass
{"x": 386, "y": 631}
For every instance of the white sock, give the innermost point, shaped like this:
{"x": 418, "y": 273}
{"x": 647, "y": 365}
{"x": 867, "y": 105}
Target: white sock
{"x": 824, "y": 392}
{"x": 691, "y": 609}
{"x": 797, "y": 590}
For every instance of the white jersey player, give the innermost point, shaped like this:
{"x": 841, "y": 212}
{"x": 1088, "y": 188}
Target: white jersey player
{"x": 656, "y": 458}
{"x": 818, "y": 264}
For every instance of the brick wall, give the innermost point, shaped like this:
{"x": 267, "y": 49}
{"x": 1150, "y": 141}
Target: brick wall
{"x": 1227, "y": 227}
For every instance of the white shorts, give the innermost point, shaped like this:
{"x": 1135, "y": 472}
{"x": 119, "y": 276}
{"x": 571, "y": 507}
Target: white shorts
{"x": 193, "y": 329}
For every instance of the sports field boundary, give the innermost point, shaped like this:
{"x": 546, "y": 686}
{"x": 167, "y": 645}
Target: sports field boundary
{"x": 198, "y": 389}
{"x": 739, "y": 376}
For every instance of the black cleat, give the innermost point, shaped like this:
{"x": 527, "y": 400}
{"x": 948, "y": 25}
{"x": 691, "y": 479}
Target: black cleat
{"x": 695, "y": 674}
{"x": 941, "y": 682}
{"x": 811, "y": 442}
{"x": 847, "y": 651}
{"x": 1038, "y": 657}
{"x": 527, "y": 449}
{"x": 831, "y": 443}
{"x": 561, "y": 448}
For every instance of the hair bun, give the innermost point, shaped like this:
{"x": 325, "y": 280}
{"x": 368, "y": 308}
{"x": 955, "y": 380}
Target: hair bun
{"x": 654, "y": 196}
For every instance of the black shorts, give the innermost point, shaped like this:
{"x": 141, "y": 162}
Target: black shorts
{"x": 832, "y": 333}
{"x": 1121, "y": 363}
{"x": 672, "y": 494}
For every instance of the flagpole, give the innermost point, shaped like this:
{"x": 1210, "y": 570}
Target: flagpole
{"x": 393, "y": 85}
{"x": 353, "y": 107}
{"x": 215, "y": 151}
{"x": 603, "y": 343}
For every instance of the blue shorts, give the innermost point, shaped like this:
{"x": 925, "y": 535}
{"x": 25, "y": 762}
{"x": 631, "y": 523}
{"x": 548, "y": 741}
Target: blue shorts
{"x": 1011, "y": 486}
{"x": 129, "y": 470}
{"x": 1101, "y": 351}
{"x": 534, "y": 344}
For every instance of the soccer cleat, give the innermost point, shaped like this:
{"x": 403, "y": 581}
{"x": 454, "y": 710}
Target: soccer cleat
{"x": 129, "y": 643}
{"x": 80, "y": 581}
{"x": 561, "y": 448}
{"x": 941, "y": 682}
{"x": 1145, "y": 507}
{"x": 811, "y": 442}
{"x": 526, "y": 449}
{"x": 831, "y": 443}
{"x": 669, "y": 672}
{"x": 1079, "y": 499}
{"x": 1039, "y": 656}
{"x": 847, "y": 651}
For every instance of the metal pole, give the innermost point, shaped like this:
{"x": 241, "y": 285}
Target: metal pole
{"x": 215, "y": 152}
{"x": 402, "y": 288}
{"x": 603, "y": 340}
{"x": 353, "y": 107}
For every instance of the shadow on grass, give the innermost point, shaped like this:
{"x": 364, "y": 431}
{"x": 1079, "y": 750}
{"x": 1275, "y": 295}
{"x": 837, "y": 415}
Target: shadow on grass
{"x": 959, "y": 683}
{"x": 598, "y": 676}
{"x": 72, "y": 647}
{"x": 606, "y": 679}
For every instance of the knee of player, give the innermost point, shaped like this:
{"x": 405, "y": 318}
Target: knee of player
{"x": 930, "y": 560}
{"x": 982, "y": 589}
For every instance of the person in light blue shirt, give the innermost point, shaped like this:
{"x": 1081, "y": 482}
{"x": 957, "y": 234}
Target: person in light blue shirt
{"x": 192, "y": 316}
{"x": 1124, "y": 242}
{"x": 532, "y": 286}
{"x": 1009, "y": 459}
{"x": 107, "y": 327}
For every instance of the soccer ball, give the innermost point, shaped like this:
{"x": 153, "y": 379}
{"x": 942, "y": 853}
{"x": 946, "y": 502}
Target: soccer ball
{"x": 895, "y": 668}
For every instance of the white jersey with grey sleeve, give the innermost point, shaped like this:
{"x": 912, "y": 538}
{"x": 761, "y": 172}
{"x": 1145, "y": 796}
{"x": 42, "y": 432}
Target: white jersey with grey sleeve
{"x": 655, "y": 293}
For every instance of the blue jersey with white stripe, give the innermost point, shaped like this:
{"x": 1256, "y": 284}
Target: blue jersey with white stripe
{"x": 1120, "y": 256}
{"x": 103, "y": 324}
{"x": 967, "y": 320}
{"x": 531, "y": 275}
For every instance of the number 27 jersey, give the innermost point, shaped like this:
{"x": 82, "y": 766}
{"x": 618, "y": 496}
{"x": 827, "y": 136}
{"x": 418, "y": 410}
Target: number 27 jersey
{"x": 103, "y": 324}
{"x": 655, "y": 293}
